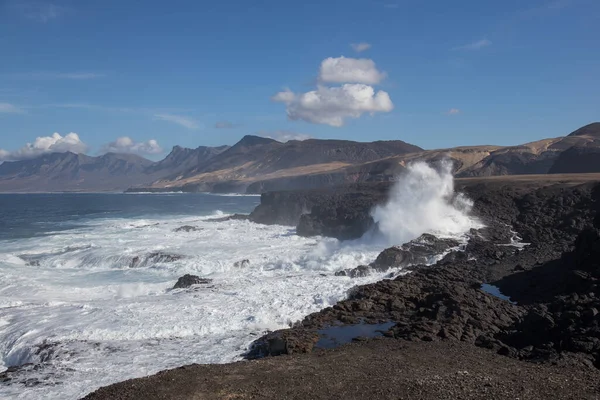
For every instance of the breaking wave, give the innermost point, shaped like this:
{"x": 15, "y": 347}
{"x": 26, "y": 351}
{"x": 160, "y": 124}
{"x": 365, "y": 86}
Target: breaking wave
{"x": 423, "y": 201}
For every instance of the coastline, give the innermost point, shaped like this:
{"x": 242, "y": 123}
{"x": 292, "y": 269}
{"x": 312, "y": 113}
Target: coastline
{"x": 445, "y": 297}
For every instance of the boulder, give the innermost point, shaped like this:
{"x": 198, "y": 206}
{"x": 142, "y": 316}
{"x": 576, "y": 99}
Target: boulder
{"x": 242, "y": 263}
{"x": 159, "y": 257}
{"x": 234, "y": 217}
{"x": 188, "y": 280}
{"x": 155, "y": 257}
{"x": 416, "y": 252}
{"x": 187, "y": 228}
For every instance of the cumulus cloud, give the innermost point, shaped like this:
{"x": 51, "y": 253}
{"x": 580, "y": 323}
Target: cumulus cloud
{"x": 46, "y": 144}
{"x": 333, "y": 105}
{"x": 453, "y": 111}
{"x": 478, "y": 45}
{"x": 127, "y": 145}
{"x": 181, "y": 120}
{"x": 7, "y": 108}
{"x": 284, "y": 136}
{"x": 350, "y": 70}
{"x": 360, "y": 47}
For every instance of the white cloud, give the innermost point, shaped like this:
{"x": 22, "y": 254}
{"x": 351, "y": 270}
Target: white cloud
{"x": 46, "y": 144}
{"x": 350, "y": 70}
{"x": 478, "y": 45}
{"x": 453, "y": 111}
{"x": 360, "y": 47}
{"x": 186, "y": 122}
{"x": 284, "y": 136}
{"x": 126, "y": 145}
{"x": 7, "y": 108}
{"x": 333, "y": 105}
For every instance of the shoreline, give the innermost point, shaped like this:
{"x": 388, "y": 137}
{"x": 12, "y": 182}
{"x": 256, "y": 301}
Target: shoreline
{"x": 428, "y": 308}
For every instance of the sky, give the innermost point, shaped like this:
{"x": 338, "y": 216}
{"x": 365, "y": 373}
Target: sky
{"x": 141, "y": 77}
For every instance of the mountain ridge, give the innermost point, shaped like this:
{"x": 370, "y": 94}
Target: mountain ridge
{"x": 256, "y": 164}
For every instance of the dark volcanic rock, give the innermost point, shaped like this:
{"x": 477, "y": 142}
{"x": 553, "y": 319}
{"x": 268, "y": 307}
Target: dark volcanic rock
{"x": 188, "y": 280}
{"x": 431, "y": 303}
{"x": 550, "y": 216}
{"x": 348, "y": 224}
{"x": 242, "y": 263}
{"x": 153, "y": 258}
{"x": 557, "y": 314}
{"x": 342, "y": 212}
{"x": 358, "y": 272}
{"x": 564, "y": 299}
{"x": 234, "y": 217}
{"x": 418, "y": 251}
{"x": 186, "y": 228}
{"x": 159, "y": 257}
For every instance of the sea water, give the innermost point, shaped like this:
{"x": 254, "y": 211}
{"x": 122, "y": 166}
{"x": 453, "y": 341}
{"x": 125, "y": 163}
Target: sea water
{"x": 83, "y": 303}
{"x": 72, "y": 302}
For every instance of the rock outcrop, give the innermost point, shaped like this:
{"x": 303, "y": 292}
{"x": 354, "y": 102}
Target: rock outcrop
{"x": 188, "y": 280}
{"x": 341, "y": 212}
{"x": 422, "y": 250}
{"x": 554, "y": 314}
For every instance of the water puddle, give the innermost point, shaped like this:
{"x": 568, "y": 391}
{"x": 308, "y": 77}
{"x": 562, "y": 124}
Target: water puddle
{"x": 335, "y": 336}
{"x": 495, "y": 291}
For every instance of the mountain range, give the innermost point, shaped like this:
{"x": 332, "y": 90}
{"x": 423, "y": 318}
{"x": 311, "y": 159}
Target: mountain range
{"x": 257, "y": 164}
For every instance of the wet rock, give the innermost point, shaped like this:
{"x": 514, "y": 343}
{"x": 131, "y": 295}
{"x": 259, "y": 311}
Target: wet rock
{"x": 242, "y": 263}
{"x": 153, "y": 258}
{"x": 187, "y": 228}
{"x": 358, "y": 272}
{"x": 234, "y": 217}
{"x": 135, "y": 262}
{"x": 418, "y": 251}
{"x": 342, "y": 212}
{"x": 555, "y": 281}
{"x": 159, "y": 257}
{"x": 188, "y": 280}
{"x": 283, "y": 342}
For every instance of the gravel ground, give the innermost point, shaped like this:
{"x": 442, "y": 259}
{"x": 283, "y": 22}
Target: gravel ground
{"x": 377, "y": 369}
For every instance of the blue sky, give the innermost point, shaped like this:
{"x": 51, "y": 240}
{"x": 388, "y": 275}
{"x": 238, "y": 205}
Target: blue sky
{"x": 433, "y": 73}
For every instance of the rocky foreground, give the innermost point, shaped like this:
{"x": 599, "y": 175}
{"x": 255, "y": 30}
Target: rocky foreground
{"x": 442, "y": 334}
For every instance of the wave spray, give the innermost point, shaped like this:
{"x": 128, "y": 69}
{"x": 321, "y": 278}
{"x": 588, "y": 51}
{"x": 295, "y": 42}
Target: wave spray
{"x": 423, "y": 201}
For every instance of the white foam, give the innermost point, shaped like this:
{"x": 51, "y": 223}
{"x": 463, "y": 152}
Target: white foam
{"x": 110, "y": 322}
{"x": 423, "y": 200}
{"x": 105, "y": 321}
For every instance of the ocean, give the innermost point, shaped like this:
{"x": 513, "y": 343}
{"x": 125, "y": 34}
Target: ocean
{"x": 86, "y": 280}
{"x": 80, "y": 314}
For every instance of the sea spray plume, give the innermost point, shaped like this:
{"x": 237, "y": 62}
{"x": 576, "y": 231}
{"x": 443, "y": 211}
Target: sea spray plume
{"x": 423, "y": 200}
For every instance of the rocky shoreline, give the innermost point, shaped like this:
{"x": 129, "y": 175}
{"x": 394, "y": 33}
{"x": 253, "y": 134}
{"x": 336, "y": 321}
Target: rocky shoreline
{"x": 552, "y": 318}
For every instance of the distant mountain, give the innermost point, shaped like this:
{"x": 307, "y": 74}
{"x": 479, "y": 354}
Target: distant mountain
{"x": 576, "y": 160}
{"x": 73, "y": 172}
{"x": 537, "y": 157}
{"x": 181, "y": 159}
{"x": 255, "y": 159}
{"x": 257, "y": 164}
{"x": 591, "y": 130}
